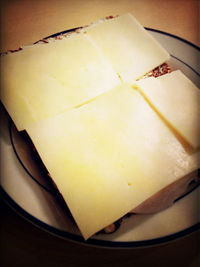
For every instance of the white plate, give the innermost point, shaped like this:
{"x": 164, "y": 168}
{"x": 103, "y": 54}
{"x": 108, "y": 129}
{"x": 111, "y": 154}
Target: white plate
{"x": 25, "y": 188}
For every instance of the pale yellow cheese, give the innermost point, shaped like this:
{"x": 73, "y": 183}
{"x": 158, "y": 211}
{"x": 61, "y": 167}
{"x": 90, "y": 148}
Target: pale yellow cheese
{"x": 47, "y": 79}
{"x": 108, "y": 156}
{"x": 43, "y": 80}
{"x": 129, "y": 47}
{"x": 177, "y": 100}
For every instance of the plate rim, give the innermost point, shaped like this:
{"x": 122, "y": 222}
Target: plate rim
{"x": 93, "y": 242}
{"x": 97, "y": 242}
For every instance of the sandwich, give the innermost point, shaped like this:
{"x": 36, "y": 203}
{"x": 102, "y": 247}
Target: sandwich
{"x": 98, "y": 105}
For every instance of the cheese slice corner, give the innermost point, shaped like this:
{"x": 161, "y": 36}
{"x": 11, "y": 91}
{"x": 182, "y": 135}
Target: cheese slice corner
{"x": 43, "y": 80}
{"x": 177, "y": 100}
{"x": 130, "y": 48}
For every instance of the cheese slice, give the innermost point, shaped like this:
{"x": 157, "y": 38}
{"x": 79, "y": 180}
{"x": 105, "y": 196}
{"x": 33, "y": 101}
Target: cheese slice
{"x": 129, "y": 47}
{"x": 108, "y": 156}
{"x": 177, "y": 100}
{"x": 47, "y": 79}
{"x": 43, "y": 80}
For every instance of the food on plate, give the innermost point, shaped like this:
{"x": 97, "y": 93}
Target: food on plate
{"x": 86, "y": 103}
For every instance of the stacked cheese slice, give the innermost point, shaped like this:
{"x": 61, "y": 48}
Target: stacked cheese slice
{"x": 43, "y": 80}
{"x": 109, "y": 156}
{"x": 177, "y": 100}
{"x": 103, "y": 137}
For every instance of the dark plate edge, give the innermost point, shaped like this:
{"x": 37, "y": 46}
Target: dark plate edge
{"x": 94, "y": 242}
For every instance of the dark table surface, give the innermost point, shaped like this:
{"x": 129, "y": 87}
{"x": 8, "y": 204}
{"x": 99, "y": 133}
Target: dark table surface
{"x": 23, "y": 244}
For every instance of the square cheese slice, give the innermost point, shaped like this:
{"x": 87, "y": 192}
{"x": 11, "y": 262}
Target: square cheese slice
{"x": 108, "y": 156}
{"x": 43, "y": 80}
{"x": 177, "y": 101}
{"x": 128, "y": 46}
